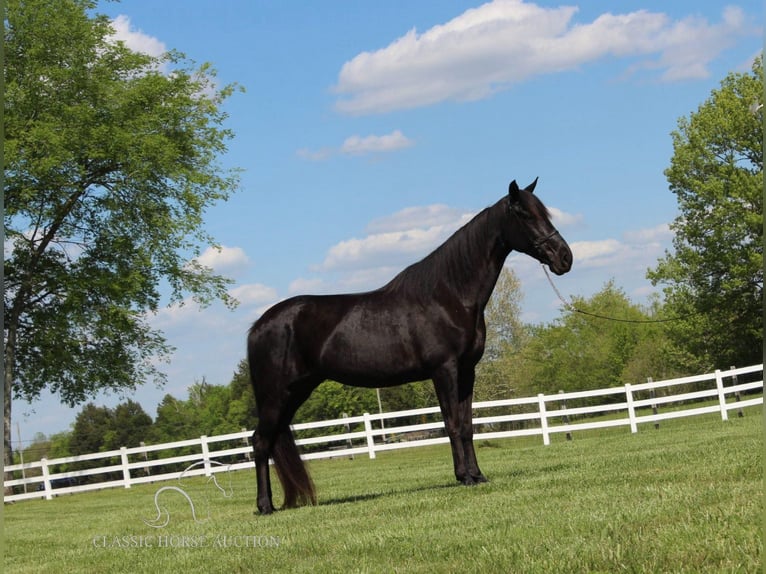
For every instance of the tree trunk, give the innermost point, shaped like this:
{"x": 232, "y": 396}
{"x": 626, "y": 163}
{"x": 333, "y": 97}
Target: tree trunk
{"x": 9, "y": 364}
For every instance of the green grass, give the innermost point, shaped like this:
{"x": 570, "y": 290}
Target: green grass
{"x": 686, "y": 498}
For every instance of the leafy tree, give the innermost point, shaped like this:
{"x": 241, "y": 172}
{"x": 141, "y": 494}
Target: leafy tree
{"x": 209, "y": 410}
{"x": 175, "y": 421}
{"x": 242, "y": 409}
{"x": 497, "y": 372}
{"x": 59, "y": 445}
{"x": 111, "y": 159}
{"x": 714, "y": 278}
{"x": 581, "y": 352}
{"x": 211, "y": 406}
{"x": 130, "y": 426}
{"x": 331, "y": 399}
{"x": 404, "y": 397}
{"x": 91, "y": 425}
{"x": 101, "y": 428}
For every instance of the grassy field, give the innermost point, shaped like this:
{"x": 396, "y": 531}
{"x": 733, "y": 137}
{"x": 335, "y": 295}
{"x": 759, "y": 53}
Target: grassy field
{"x": 686, "y": 498}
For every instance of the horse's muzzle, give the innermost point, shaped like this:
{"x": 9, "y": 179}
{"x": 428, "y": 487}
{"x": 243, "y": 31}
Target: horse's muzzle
{"x": 561, "y": 262}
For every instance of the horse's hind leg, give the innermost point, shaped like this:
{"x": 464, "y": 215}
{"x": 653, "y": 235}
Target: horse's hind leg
{"x": 273, "y": 439}
{"x": 264, "y": 438}
{"x": 297, "y": 485}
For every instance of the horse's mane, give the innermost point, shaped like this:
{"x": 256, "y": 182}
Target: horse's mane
{"x": 454, "y": 261}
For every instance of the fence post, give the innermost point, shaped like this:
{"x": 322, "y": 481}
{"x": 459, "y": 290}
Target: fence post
{"x": 205, "y": 454}
{"x": 46, "y": 479}
{"x": 721, "y": 395}
{"x": 349, "y": 442}
{"x": 368, "y": 432}
{"x": 125, "y": 468}
{"x": 246, "y": 443}
{"x": 543, "y": 419}
{"x": 631, "y": 408}
{"x": 147, "y": 468}
{"x": 653, "y": 395}
{"x": 565, "y": 418}
{"x": 737, "y": 396}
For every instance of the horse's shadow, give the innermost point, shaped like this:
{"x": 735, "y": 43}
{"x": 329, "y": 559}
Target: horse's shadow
{"x": 503, "y": 478}
{"x": 386, "y": 494}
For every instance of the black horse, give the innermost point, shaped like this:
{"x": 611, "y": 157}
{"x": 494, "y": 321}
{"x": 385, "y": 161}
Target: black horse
{"x": 426, "y": 323}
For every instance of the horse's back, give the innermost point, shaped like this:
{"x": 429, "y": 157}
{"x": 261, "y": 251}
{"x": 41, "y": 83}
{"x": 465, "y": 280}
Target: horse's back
{"x": 287, "y": 337}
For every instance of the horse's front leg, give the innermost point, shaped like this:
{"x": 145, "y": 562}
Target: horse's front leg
{"x": 465, "y": 417}
{"x": 446, "y": 386}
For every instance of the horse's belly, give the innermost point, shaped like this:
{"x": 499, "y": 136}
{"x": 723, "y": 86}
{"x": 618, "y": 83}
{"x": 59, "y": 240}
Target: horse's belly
{"x": 378, "y": 356}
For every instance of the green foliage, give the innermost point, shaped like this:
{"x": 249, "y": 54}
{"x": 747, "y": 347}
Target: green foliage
{"x": 41, "y": 447}
{"x": 714, "y": 278}
{"x": 91, "y": 425}
{"x": 131, "y": 425}
{"x": 330, "y": 400}
{"x": 498, "y": 370}
{"x": 98, "y": 429}
{"x": 210, "y": 410}
{"x": 111, "y": 159}
{"x": 409, "y": 396}
{"x": 242, "y": 407}
{"x": 580, "y": 352}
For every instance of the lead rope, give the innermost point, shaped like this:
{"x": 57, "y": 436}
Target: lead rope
{"x": 572, "y": 307}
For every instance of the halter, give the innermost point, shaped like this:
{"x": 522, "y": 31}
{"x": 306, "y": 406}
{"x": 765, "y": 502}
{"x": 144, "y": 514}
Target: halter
{"x": 540, "y": 242}
{"x": 537, "y": 243}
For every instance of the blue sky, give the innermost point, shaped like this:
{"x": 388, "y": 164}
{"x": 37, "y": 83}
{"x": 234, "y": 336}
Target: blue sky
{"x": 369, "y": 131}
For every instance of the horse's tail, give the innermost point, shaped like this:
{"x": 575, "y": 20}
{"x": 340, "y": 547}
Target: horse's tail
{"x": 296, "y": 482}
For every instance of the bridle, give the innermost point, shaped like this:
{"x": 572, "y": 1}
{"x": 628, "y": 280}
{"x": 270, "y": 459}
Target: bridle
{"x": 538, "y": 243}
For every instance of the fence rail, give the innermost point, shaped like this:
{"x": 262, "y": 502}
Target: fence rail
{"x": 547, "y": 415}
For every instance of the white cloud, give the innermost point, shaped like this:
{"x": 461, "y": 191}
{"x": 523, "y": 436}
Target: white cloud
{"x": 172, "y": 315}
{"x": 136, "y": 40}
{"x": 224, "y": 259}
{"x": 356, "y": 145}
{"x": 390, "y": 248}
{"x": 498, "y": 44}
{"x": 254, "y": 294}
{"x": 655, "y": 234}
{"x": 418, "y": 216}
{"x": 381, "y": 248}
{"x": 360, "y": 145}
{"x": 563, "y": 219}
{"x": 304, "y": 286}
{"x": 588, "y": 251}
{"x": 691, "y": 44}
{"x": 639, "y": 248}
{"x": 315, "y": 155}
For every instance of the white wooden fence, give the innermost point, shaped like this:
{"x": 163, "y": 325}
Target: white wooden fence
{"x": 544, "y": 416}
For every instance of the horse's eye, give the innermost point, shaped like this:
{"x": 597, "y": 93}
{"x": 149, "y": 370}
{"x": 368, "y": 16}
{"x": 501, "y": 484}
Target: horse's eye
{"x": 524, "y": 214}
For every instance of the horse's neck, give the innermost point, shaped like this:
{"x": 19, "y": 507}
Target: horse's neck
{"x": 487, "y": 275}
{"x": 483, "y": 266}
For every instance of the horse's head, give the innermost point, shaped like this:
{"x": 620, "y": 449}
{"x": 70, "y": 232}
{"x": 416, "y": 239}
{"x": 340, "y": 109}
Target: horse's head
{"x": 534, "y": 234}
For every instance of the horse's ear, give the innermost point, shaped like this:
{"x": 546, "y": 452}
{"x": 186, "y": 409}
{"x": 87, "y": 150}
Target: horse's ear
{"x": 531, "y": 187}
{"x": 513, "y": 191}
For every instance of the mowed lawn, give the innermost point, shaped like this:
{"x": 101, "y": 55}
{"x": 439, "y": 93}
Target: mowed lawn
{"x": 685, "y": 498}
